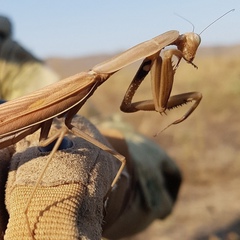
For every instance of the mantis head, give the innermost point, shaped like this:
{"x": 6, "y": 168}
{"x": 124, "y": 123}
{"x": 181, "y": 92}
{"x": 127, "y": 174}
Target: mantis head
{"x": 188, "y": 45}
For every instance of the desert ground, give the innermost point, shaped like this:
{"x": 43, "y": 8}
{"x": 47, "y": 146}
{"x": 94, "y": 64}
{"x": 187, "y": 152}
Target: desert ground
{"x": 206, "y": 146}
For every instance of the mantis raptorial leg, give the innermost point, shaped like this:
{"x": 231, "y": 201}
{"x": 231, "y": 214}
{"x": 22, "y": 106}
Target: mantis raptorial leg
{"x": 162, "y": 76}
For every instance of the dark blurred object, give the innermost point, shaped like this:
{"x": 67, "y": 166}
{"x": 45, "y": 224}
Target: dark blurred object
{"x": 20, "y": 71}
{"x": 149, "y": 190}
{"x": 5, "y": 27}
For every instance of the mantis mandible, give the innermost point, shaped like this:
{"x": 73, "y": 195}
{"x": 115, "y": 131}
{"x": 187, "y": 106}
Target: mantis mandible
{"x": 25, "y": 115}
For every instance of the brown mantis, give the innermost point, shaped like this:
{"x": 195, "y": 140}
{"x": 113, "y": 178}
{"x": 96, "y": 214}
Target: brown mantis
{"x": 25, "y": 115}
{"x": 65, "y": 98}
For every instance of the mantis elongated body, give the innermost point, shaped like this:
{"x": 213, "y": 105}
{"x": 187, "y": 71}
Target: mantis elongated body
{"x": 25, "y": 115}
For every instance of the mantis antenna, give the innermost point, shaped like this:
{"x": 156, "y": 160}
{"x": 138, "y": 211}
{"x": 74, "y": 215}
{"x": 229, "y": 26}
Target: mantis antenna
{"x": 198, "y": 34}
{"x": 186, "y": 20}
{"x": 216, "y": 20}
{"x": 209, "y": 24}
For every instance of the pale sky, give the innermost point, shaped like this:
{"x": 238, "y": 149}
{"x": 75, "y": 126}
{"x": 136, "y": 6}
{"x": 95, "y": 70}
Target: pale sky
{"x": 77, "y": 28}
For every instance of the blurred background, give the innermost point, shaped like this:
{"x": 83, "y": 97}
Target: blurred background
{"x": 77, "y": 28}
{"x": 74, "y": 36}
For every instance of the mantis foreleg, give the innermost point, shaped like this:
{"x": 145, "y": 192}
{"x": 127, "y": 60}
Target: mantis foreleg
{"x": 162, "y": 77}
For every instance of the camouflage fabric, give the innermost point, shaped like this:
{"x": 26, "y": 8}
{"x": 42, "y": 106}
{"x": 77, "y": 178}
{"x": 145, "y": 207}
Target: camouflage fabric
{"x": 153, "y": 187}
{"x": 73, "y": 199}
{"x": 69, "y": 201}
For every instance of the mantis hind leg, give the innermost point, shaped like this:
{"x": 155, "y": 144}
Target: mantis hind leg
{"x": 102, "y": 146}
{"x": 68, "y": 122}
{"x": 59, "y": 136}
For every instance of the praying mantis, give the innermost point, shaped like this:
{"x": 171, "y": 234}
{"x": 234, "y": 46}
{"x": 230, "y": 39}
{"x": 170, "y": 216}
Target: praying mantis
{"x": 27, "y": 114}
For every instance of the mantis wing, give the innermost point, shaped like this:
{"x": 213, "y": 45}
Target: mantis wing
{"x": 137, "y": 52}
{"x": 44, "y": 104}
{"x": 58, "y": 98}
